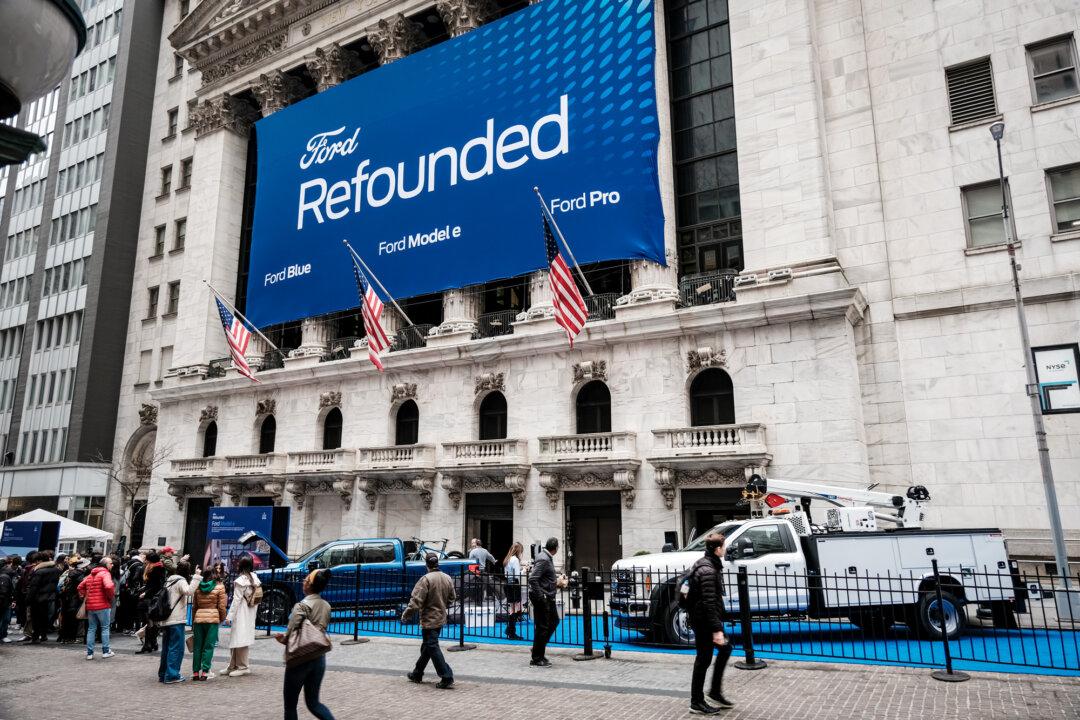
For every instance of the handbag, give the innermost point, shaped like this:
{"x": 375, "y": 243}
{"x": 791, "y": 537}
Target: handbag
{"x": 190, "y": 643}
{"x": 80, "y": 614}
{"x": 307, "y": 642}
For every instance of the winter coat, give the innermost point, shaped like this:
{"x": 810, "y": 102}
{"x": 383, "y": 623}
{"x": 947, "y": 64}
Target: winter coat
{"x": 70, "y": 599}
{"x": 241, "y": 615}
{"x": 431, "y": 597}
{"x": 542, "y": 576}
{"x": 98, "y": 589}
{"x": 708, "y": 610}
{"x": 154, "y": 577}
{"x": 209, "y": 605}
{"x": 42, "y": 585}
{"x": 179, "y": 588}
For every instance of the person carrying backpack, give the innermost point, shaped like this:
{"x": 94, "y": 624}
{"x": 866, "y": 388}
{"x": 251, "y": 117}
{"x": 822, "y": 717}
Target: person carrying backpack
{"x": 701, "y": 592}
{"x": 169, "y": 610}
{"x": 247, "y": 593}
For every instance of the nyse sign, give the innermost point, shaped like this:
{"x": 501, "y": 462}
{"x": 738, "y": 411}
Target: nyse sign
{"x": 427, "y": 165}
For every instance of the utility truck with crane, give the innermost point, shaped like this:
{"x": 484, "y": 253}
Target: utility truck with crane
{"x": 842, "y": 566}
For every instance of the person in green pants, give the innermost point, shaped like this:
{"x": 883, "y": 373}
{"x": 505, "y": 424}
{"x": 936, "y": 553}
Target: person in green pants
{"x": 209, "y": 605}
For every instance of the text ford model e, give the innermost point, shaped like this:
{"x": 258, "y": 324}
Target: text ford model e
{"x": 846, "y": 568}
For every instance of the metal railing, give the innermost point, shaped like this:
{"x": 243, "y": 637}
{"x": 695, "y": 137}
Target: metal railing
{"x": 602, "y": 306}
{"x": 707, "y": 288}
{"x": 412, "y": 337}
{"x": 339, "y": 349}
{"x": 494, "y": 324}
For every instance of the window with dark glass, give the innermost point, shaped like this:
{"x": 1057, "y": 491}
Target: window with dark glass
{"x": 407, "y": 424}
{"x": 1053, "y": 69}
{"x": 1065, "y": 197}
{"x": 332, "y": 430}
{"x": 712, "y": 401}
{"x": 493, "y": 417}
{"x": 703, "y": 118}
{"x": 267, "y": 435}
{"x": 209, "y": 441}
{"x": 593, "y": 408}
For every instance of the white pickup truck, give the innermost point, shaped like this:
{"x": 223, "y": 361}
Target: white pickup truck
{"x": 875, "y": 578}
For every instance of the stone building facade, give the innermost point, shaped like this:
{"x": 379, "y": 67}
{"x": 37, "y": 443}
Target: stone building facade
{"x": 869, "y": 336}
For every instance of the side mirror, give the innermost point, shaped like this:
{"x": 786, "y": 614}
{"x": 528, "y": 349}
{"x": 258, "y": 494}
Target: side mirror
{"x": 668, "y": 547}
{"x": 746, "y": 550}
{"x": 315, "y": 565}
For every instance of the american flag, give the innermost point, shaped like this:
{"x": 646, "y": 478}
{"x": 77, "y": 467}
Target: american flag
{"x": 570, "y": 309}
{"x": 238, "y": 337}
{"x": 371, "y": 308}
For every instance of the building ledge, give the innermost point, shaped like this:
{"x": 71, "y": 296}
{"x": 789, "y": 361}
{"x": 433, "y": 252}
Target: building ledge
{"x": 1055, "y": 104}
{"x": 984, "y": 297}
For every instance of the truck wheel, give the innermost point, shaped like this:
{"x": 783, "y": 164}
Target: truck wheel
{"x": 677, "y": 629}
{"x": 932, "y": 620}
{"x": 274, "y": 608}
{"x": 455, "y": 555}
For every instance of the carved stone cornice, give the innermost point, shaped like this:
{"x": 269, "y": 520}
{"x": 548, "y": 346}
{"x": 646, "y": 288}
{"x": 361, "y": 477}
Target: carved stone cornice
{"x": 704, "y": 357}
{"x": 332, "y": 65}
{"x": 223, "y": 112}
{"x": 301, "y": 489}
{"x": 589, "y": 370}
{"x": 456, "y": 485}
{"x": 329, "y": 399}
{"x": 276, "y": 90}
{"x": 488, "y": 382}
{"x": 461, "y": 16}
{"x": 395, "y": 37}
{"x": 148, "y": 414}
{"x": 669, "y": 479}
{"x": 208, "y": 414}
{"x": 403, "y": 391}
{"x": 255, "y": 54}
{"x": 266, "y": 406}
{"x": 422, "y": 482}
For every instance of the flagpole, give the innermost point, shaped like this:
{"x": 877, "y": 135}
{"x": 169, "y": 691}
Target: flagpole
{"x": 240, "y": 315}
{"x": 547, "y": 212}
{"x": 376, "y": 279}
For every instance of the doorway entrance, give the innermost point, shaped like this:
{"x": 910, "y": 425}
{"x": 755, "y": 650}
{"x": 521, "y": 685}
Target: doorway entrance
{"x": 706, "y": 508}
{"x": 490, "y": 517}
{"x": 198, "y": 518}
{"x": 593, "y": 529}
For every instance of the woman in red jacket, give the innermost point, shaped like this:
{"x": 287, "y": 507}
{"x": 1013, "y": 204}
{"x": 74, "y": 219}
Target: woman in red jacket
{"x": 98, "y": 589}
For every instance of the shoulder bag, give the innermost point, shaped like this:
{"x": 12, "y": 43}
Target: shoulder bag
{"x": 307, "y": 642}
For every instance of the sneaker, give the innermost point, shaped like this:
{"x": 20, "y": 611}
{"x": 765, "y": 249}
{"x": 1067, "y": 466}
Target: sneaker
{"x": 414, "y": 678}
{"x": 208, "y": 675}
{"x": 719, "y": 701}
{"x": 445, "y": 684}
{"x": 108, "y": 654}
{"x": 90, "y": 656}
{"x": 6, "y": 640}
{"x": 542, "y": 662}
{"x": 703, "y": 709}
{"x": 227, "y": 672}
{"x": 177, "y": 680}
{"x": 240, "y": 673}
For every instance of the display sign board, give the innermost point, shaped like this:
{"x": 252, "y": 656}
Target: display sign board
{"x": 20, "y": 537}
{"x": 227, "y": 524}
{"x": 1056, "y": 370}
{"x": 427, "y": 165}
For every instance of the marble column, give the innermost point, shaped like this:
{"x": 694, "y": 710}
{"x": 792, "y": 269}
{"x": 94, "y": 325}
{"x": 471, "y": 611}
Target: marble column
{"x": 215, "y": 206}
{"x": 314, "y": 338}
{"x": 332, "y": 65}
{"x": 461, "y": 16}
{"x": 461, "y": 308}
{"x": 651, "y": 282}
{"x": 256, "y": 353}
{"x": 395, "y": 37}
{"x": 540, "y": 304}
{"x": 276, "y": 90}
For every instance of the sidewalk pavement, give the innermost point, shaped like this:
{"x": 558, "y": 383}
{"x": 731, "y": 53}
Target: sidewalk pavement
{"x": 52, "y": 682}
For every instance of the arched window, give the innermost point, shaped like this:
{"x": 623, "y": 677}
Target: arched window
{"x": 594, "y": 408}
{"x": 209, "y": 440}
{"x": 407, "y": 424}
{"x": 331, "y": 435}
{"x": 712, "y": 401}
{"x": 267, "y": 435}
{"x": 493, "y": 417}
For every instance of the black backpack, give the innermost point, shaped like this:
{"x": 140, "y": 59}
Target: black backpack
{"x": 688, "y": 589}
{"x": 160, "y": 608}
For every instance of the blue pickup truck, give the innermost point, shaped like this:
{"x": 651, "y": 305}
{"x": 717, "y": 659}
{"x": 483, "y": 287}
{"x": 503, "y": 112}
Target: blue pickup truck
{"x": 388, "y": 571}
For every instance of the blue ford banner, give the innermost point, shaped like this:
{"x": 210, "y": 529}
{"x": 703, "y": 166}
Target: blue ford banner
{"x": 226, "y": 526}
{"x": 427, "y": 165}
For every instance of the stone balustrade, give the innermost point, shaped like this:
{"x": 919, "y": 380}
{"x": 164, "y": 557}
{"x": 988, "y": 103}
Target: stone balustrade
{"x": 748, "y": 438}
{"x": 591, "y": 446}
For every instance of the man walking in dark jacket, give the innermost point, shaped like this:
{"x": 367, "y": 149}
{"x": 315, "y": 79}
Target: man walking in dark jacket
{"x": 543, "y": 586}
{"x": 431, "y": 597}
{"x": 9, "y": 575}
{"x": 706, "y": 588}
{"x": 41, "y": 596}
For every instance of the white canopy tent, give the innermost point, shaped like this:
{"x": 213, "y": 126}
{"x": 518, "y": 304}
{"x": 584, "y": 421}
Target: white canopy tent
{"x": 70, "y": 531}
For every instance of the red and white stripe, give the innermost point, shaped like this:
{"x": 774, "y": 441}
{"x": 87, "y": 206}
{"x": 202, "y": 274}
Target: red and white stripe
{"x": 376, "y": 336}
{"x": 570, "y": 309}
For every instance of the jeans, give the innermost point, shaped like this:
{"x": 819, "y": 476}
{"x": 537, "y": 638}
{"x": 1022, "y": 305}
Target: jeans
{"x": 5, "y": 618}
{"x": 704, "y": 645}
{"x": 96, "y": 619}
{"x": 308, "y": 677}
{"x": 545, "y": 620}
{"x": 172, "y": 652}
{"x": 430, "y": 650}
{"x": 202, "y": 656}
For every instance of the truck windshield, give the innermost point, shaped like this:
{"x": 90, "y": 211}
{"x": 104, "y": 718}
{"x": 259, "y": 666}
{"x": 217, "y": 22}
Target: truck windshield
{"x": 318, "y": 548}
{"x": 725, "y": 529}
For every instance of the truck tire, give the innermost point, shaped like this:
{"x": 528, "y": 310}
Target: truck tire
{"x": 455, "y": 555}
{"x": 677, "y": 629}
{"x": 928, "y": 620}
{"x": 274, "y": 607}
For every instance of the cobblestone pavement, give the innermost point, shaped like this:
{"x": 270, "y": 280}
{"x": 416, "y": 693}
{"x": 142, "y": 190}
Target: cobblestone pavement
{"x": 53, "y": 682}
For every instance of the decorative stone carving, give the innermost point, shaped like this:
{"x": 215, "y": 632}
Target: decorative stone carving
{"x": 488, "y": 382}
{"x": 395, "y": 37}
{"x": 704, "y": 357}
{"x": 332, "y": 66}
{"x": 452, "y": 484}
{"x": 208, "y": 414}
{"x": 590, "y": 370}
{"x": 214, "y": 490}
{"x": 329, "y": 399}
{"x": 516, "y": 485}
{"x": 274, "y": 489}
{"x": 228, "y": 10}
{"x": 276, "y": 90}
{"x": 219, "y": 69}
{"x": 624, "y": 481}
{"x": 266, "y": 406}
{"x": 552, "y": 485}
{"x": 235, "y": 491}
{"x": 424, "y": 486}
{"x": 665, "y": 478}
{"x": 298, "y": 490}
{"x": 370, "y": 490}
{"x": 344, "y": 487}
{"x": 403, "y": 391}
{"x": 179, "y": 493}
{"x": 148, "y": 414}
{"x": 461, "y": 16}
{"x": 223, "y": 111}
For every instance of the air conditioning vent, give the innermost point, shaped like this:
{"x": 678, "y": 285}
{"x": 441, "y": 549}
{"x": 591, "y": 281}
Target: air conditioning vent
{"x": 971, "y": 91}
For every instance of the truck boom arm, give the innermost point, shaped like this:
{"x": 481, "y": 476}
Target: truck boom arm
{"x": 905, "y": 511}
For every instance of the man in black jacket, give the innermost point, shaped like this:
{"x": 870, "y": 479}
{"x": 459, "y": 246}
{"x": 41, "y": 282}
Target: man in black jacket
{"x": 543, "y": 586}
{"x": 41, "y": 595}
{"x": 9, "y": 575}
{"x": 706, "y": 586}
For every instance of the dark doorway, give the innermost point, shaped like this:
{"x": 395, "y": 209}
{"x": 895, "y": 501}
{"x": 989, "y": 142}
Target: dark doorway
{"x": 198, "y": 518}
{"x": 259, "y": 501}
{"x": 407, "y": 424}
{"x": 593, "y": 408}
{"x": 708, "y": 507}
{"x": 210, "y": 440}
{"x": 712, "y": 400}
{"x": 332, "y": 430}
{"x": 138, "y": 524}
{"x": 493, "y": 417}
{"x": 593, "y": 529}
{"x": 490, "y": 517}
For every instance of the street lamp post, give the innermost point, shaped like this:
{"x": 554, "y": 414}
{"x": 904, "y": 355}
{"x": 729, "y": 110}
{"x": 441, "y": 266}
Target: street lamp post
{"x": 1061, "y": 558}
